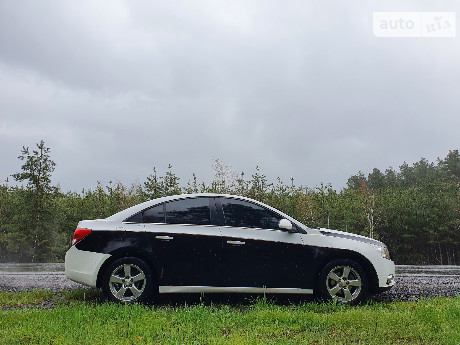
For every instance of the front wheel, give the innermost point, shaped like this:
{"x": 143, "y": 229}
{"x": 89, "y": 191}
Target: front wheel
{"x": 343, "y": 280}
{"x": 128, "y": 280}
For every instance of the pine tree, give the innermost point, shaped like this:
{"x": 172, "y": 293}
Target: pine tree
{"x": 33, "y": 235}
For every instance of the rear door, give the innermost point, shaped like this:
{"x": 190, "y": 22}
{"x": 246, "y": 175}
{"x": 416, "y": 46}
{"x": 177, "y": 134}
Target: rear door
{"x": 187, "y": 246}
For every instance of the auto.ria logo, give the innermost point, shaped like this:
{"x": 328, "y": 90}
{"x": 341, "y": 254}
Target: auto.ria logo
{"x": 414, "y": 24}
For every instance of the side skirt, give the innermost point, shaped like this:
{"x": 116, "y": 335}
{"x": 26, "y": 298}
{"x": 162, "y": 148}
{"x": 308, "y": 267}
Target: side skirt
{"x": 219, "y": 289}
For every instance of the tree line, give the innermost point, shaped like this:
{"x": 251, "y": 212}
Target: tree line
{"x": 415, "y": 209}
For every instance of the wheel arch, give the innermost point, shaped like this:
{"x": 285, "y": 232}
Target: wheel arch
{"x": 359, "y": 259}
{"x": 148, "y": 258}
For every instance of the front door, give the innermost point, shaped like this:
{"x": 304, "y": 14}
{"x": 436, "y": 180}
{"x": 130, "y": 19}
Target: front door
{"x": 255, "y": 252}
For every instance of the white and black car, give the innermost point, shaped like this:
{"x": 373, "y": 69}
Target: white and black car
{"x": 214, "y": 243}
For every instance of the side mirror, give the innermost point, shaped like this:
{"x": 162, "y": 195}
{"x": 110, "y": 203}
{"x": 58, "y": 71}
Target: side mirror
{"x": 285, "y": 224}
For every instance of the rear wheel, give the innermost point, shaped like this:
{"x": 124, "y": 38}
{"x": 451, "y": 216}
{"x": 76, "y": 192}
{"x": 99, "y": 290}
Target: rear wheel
{"x": 128, "y": 280}
{"x": 344, "y": 281}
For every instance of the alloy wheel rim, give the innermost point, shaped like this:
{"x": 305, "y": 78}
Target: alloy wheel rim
{"x": 344, "y": 283}
{"x": 127, "y": 282}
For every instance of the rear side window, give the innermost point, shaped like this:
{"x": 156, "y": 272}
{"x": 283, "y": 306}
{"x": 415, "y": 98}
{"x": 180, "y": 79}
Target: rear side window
{"x": 188, "y": 211}
{"x": 239, "y": 213}
{"x": 153, "y": 214}
{"x": 184, "y": 211}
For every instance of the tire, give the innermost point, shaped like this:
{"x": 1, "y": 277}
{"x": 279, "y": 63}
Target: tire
{"x": 343, "y": 280}
{"x": 129, "y": 280}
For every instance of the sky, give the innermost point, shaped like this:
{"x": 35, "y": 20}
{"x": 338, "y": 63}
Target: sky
{"x": 302, "y": 89}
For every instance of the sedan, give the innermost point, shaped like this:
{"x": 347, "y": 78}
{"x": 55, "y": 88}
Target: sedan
{"x": 219, "y": 243}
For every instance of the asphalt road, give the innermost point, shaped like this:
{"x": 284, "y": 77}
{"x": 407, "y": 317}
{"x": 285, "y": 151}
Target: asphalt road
{"x": 409, "y": 286}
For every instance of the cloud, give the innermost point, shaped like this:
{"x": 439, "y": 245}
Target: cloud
{"x": 300, "y": 89}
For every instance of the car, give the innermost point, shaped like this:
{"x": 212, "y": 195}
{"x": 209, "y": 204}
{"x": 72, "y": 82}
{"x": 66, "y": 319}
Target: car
{"x": 219, "y": 243}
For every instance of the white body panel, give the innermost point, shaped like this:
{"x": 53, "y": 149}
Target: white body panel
{"x": 82, "y": 266}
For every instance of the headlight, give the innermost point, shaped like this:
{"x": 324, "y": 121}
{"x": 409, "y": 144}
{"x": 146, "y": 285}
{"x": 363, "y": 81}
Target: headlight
{"x": 384, "y": 252}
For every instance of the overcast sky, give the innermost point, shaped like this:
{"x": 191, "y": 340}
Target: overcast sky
{"x": 301, "y": 89}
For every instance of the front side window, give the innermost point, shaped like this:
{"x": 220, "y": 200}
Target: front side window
{"x": 239, "y": 213}
{"x": 188, "y": 211}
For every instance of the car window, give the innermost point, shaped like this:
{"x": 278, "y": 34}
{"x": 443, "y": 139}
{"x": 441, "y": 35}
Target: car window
{"x": 241, "y": 213}
{"x": 188, "y": 211}
{"x": 154, "y": 214}
{"x": 151, "y": 215}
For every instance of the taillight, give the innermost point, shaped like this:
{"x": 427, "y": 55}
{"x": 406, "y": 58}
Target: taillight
{"x": 80, "y": 234}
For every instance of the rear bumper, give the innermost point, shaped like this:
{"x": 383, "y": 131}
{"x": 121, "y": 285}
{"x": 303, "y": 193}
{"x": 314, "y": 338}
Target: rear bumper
{"x": 83, "y": 266}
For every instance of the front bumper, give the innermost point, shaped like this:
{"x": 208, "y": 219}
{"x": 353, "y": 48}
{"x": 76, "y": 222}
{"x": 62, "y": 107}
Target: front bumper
{"x": 82, "y": 266}
{"x": 389, "y": 283}
{"x": 385, "y": 270}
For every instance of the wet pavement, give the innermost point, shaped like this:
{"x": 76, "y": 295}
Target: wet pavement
{"x": 35, "y": 276}
{"x": 412, "y": 282}
{"x": 17, "y": 268}
{"x": 416, "y": 286}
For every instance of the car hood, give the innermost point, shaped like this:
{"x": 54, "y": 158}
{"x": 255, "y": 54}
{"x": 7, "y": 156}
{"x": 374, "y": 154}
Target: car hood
{"x": 343, "y": 234}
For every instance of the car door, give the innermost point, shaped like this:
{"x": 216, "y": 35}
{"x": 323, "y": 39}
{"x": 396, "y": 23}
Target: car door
{"x": 187, "y": 246}
{"x": 256, "y": 253}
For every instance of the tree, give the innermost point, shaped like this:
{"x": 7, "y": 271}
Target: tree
{"x": 368, "y": 197}
{"x": 37, "y": 169}
{"x": 33, "y": 233}
{"x": 192, "y": 186}
{"x": 4, "y": 196}
{"x": 259, "y": 186}
{"x": 241, "y": 186}
{"x": 376, "y": 180}
{"x": 354, "y": 181}
{"x": 406, "y": 176}
{"x": 326, "y": 201}
{"x": 451, "y": 165}
{"x": 171, "y": 182}
{"x": 156, "y": 187}
{"x": 224, "y": 177}
{"x": 153, "y": 186}
{"x": 391, "y": 178}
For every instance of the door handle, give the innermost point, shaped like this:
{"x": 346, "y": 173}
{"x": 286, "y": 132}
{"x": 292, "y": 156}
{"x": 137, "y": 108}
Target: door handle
{"x": 237, "y": 243}
{"x": 164, "y": 238}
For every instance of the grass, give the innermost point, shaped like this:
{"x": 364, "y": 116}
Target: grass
{"x": 82, "y": 317}
{"x": 14, "y": 299}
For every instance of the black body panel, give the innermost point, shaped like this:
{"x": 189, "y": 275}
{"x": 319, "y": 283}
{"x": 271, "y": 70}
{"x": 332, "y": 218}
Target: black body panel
{"x": 244, "y": 264}
{"x": 107, "y": 242}
{"x": 272, "y": 264}
{"x": 186, "y": 259}
{"x": 198, "y": 260}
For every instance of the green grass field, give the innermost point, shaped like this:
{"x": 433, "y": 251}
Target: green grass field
{"x": 82, "y": 317}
